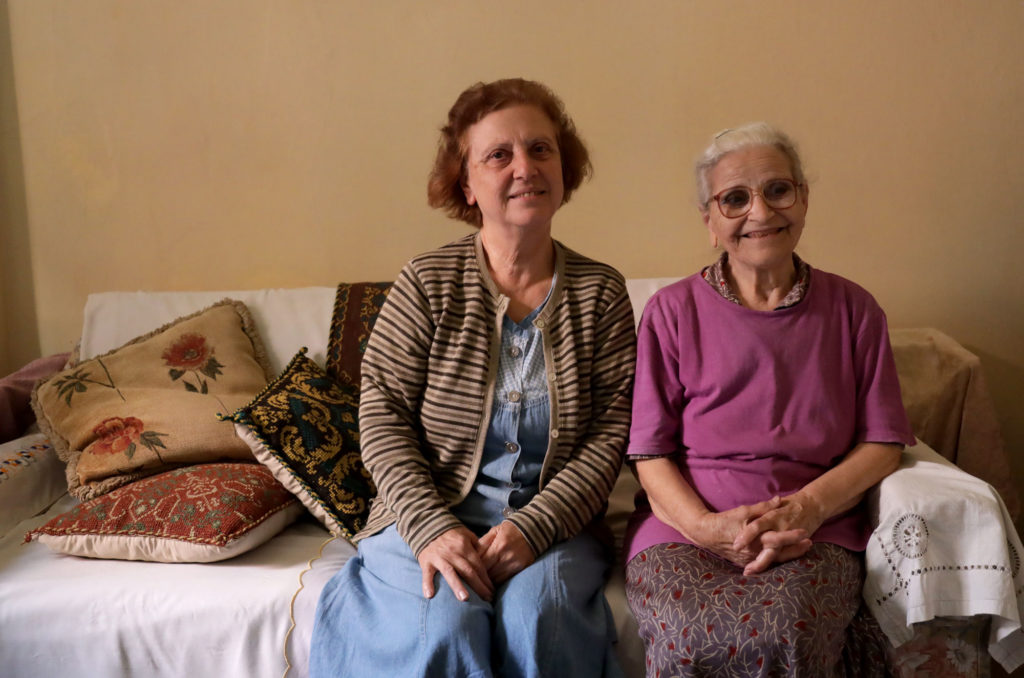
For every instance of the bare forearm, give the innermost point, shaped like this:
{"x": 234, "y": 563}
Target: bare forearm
{"x": 677, "y": 504}
{"x": 842, "y": 487}
{"x": 672, "y": 499}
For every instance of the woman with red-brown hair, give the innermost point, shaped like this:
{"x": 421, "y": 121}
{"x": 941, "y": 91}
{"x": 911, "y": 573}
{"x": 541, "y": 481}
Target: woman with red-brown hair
{"x": 493, "y": 418}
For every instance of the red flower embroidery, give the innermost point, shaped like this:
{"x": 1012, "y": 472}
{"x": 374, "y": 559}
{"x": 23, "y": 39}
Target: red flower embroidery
{"x": 116, "y": 435}
{"x": 190, "y": 352}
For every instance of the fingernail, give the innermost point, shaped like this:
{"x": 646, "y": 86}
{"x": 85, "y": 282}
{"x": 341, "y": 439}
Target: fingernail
{"x": 463, "y": 596}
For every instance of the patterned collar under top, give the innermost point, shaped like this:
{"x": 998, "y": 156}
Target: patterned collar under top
{"x": 715, "y": 275}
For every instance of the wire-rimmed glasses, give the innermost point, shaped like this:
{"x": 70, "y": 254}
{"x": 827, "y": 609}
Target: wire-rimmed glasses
{"x": 736, "y": 201}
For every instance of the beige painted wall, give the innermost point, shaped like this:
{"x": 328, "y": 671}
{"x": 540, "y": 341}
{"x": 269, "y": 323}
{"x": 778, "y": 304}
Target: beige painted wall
{"x": 219, "y": 144}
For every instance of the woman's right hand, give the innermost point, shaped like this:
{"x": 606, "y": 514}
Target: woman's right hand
{"x": 675, "y": 503}
{"x": 717, "y": 532}
{"x": 455, "y": 555}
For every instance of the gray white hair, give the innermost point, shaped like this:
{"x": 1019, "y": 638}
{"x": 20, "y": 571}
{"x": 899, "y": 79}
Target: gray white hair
{"x": 738, "y": 138}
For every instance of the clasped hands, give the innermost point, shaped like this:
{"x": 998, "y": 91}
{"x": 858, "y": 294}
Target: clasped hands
{"x": 757, "y": 535}
{"x": 483, "y": 563}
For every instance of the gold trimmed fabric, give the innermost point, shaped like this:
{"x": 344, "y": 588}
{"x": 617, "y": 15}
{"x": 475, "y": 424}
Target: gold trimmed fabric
{"x": 356, "y": 306}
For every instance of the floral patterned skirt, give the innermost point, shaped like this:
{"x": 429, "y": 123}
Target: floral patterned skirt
{"x": 699, "y": 615}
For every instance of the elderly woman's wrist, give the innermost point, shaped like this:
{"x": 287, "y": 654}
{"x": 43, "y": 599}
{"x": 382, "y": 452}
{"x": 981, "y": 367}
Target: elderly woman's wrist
{"x": 814, "y": 508}
{"x": 699, "y": 527}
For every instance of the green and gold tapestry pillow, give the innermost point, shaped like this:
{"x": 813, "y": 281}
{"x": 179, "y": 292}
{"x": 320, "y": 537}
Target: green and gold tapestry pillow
{"x": 304, "y": 427}
{"x": 152, "y": 404}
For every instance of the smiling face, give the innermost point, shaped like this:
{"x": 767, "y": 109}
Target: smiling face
{"x": 513, "y": 168}
{"x": 763, "y": 239}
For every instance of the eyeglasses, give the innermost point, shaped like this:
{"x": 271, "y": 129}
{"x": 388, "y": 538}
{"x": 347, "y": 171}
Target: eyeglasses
{"x": 778, "y": 194}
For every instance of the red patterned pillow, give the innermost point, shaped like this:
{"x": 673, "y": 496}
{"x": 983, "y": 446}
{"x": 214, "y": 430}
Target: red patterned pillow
{"x": 195, "y": 514}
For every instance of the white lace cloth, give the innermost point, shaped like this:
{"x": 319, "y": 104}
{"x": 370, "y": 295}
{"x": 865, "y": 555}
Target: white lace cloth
{"x": 945, "y": 546}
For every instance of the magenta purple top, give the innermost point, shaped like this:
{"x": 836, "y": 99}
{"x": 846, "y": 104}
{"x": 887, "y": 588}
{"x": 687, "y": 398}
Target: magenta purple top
{"x": 754, "y": 404}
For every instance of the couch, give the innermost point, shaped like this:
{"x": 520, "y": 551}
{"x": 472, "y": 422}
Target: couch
{"x": 944, "y": 576}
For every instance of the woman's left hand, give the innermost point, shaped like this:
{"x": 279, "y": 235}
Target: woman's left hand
{"x": 795, "y": 512}
{"x": 838, "y": 489}
{"x": 505, "y": 552}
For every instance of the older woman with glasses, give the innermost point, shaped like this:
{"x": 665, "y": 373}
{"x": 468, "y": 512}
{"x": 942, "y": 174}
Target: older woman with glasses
{"x": 766, "y": 403}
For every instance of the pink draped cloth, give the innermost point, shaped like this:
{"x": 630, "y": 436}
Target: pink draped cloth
{"x": 16, "y": 391}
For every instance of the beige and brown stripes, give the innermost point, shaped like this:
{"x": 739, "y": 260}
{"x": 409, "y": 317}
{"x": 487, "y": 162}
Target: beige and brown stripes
{"x": 427, "y": 382}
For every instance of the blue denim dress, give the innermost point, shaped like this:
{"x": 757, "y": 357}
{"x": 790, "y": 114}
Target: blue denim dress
{"x": 517, "y": 437}
{"x": 550, "y": 619}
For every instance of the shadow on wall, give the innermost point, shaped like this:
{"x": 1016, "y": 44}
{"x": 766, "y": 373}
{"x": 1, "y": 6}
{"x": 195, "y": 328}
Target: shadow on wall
{"x": 19, "y": 342}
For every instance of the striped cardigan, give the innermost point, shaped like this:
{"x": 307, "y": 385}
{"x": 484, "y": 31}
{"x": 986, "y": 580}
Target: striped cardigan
{"x": 428, "y": 378}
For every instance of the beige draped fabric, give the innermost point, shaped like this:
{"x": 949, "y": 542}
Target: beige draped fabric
{"x": 950, "y": 409}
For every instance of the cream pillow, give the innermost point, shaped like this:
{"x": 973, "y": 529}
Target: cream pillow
{"x": 152, "y": 404}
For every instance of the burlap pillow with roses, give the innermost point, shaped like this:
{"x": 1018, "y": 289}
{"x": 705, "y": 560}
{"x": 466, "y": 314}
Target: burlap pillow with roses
{"x": 152, "y": 404}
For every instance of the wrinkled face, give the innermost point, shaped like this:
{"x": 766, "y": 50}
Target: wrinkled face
{"x": 763, "y": 239}
{"x": 513, "y": 168}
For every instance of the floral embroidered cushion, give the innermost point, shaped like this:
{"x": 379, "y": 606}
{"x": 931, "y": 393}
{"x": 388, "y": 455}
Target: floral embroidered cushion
{"x": 356, "y": 306}
{"x": 31, "y": 478}
{"x": 151, "y": 404}
{"x": 304, "y": 428}
{"x": 195, "y": 514}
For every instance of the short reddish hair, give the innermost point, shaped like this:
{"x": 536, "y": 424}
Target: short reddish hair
{"x": 444, "y": 186}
